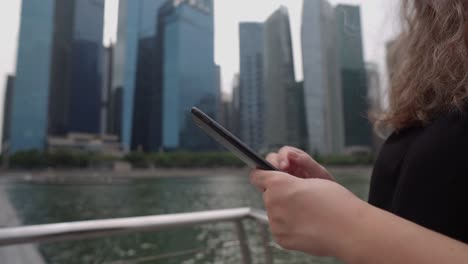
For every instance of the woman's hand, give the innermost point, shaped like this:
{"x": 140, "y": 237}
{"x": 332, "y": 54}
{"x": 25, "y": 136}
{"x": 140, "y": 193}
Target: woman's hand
{"x": 298, "y": 163}
{"x": 315, "y": 216}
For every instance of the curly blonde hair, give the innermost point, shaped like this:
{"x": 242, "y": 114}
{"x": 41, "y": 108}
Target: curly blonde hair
{"x": 430, "y": 76}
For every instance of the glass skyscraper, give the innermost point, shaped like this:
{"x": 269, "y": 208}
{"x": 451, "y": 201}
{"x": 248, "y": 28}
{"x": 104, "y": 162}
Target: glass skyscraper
{"x": 75, "y": 90}
{"x": 353, "y": 76}
{"x": 188, "y": 71}
{"x": 280, "y": 105}
{"x": 322, "y": 83}
{"x": 7, "y": 111}
{"x": 29, "y": 107}
{"x": 136, "y": 79}
{"x": 58, "y": 71}
{"x": 251, "y": 84}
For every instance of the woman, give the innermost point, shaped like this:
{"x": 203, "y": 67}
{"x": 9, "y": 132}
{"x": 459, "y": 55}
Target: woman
{"x": 418, "y": 209}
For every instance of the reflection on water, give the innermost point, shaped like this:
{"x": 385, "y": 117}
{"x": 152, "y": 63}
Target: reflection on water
{"x": 46, "y": 203}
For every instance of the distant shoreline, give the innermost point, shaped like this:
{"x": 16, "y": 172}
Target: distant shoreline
{"x": 97, "y": 175}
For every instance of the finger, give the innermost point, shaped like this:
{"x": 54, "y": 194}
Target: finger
{"x": 258, "y": 178}
{"x": 283, "y": 156}
{"x": 303, "y": 160}
{"x": 272, "y": 158}
{"x": 308, "y": 166}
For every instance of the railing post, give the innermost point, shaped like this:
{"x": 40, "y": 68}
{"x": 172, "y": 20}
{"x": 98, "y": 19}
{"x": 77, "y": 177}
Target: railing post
{"x": 243, "y": 243}
{"x": 266, "y": 243}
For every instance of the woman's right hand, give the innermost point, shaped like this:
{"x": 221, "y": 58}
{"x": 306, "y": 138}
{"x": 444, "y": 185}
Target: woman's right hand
{"x": 298, "y": 163}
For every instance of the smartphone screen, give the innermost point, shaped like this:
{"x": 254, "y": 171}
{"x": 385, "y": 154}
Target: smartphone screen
{"x": 229, "y": 141}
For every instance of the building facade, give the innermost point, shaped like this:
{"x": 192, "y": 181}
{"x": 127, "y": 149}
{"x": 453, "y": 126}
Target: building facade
{"x": 188, "y": 72}
{"x": 135, "y": 85}
{"x": 58, "y": 71}
{"x": 353, "y": 77}
{"x": 251, "y": 83}
{"x": 7, "y": 112}
{"x": 299, "y": 94}
{"x": 76, "y": 73}
{"x": 107, "y": 116}
{"x": 374, "y": 97}
{"x": 374, "y": 92}
{"x": 322, "y": 83}
{"x": 280, "y": 108}
{"x": 234, "y": 107}
{"x": 29, "y": 124}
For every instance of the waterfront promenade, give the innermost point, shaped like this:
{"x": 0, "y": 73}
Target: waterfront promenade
{"x": 23, "y": 254}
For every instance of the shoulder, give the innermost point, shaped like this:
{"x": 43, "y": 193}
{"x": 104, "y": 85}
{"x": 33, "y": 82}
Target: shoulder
{"x": 438, "y": 152}
{"x": 446, "y": 135}
{"x": 431, "y": 186}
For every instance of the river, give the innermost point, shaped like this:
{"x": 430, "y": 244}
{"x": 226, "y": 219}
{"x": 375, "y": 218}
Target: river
{"x": 39, "y": 203}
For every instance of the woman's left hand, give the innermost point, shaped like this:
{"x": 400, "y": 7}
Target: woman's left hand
{"x": 315, "y": 216}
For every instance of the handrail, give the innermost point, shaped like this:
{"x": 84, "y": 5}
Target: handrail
{"x": 97, "y": 228}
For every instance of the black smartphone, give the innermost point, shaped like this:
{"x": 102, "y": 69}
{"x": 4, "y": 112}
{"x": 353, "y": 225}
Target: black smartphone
{"x": 229, "y": 141}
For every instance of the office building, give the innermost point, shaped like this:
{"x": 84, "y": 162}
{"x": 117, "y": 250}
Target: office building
{"x": 322, "y": 83}
{"x": 353, "y": 77}
{"x": 58, "y": 71}
{"x": 75, "y": 82}
{"x": 374, "y": 97}
{"x": 280, "y": 107}
{"x": 116, "y": 112}
{"x": 251, "y": 84}
{"x": 86, "y": 143}
{"x": 219, "y": 88}
{"x": 29, "y": 107}
{"x": 134, "y": 79}
{"x": 374, "y": 93}
{"x": 298, "y": 94}
{"x": 7, "y": 112}
{"x": 224, "y": 117}
{"x": 235, "y": 107}
{"x": 107, "y": 115}
{"x": 188, "y": 71}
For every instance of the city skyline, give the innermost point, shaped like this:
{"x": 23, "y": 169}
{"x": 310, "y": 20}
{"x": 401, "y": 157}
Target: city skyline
{"x": 379, "y": 21}
{"x": 380, "y": 24}
{"x": 62, "y": 75}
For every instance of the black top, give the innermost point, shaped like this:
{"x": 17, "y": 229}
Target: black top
{"x": 422, "y": 175}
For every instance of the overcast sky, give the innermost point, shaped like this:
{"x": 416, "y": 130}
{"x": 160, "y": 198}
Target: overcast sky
{"x": 378, "y": 20}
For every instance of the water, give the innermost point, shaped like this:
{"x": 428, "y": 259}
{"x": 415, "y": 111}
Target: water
{"x": 52, "y": 203}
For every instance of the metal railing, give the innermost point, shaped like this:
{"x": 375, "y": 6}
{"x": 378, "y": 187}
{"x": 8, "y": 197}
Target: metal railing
{"x": 99, "y": 228}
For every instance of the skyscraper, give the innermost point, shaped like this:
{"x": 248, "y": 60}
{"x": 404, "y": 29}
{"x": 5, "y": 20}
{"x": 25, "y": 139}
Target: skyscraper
{"x": 107, "y": 115}
{"x": 322, "y": 84}
{"x": 7, "y": 111}
{"x": 374, "y": 97}
{"x": 135, "y": 74}
{"x": 29, "y": 124}
{"x": 58, "y": 73}
{"x": 280, "y": 108}
{"x": 251, "y": 83}
{"x": 218, "y": 82}
{"x": 75, "y": 88}
{"x": 298, "y": 89}
{"x": 374, "y": 93}
{"x": 235, "y": 106}
{"x": 188, "y": 71}
{"x": 353, "y": 76}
